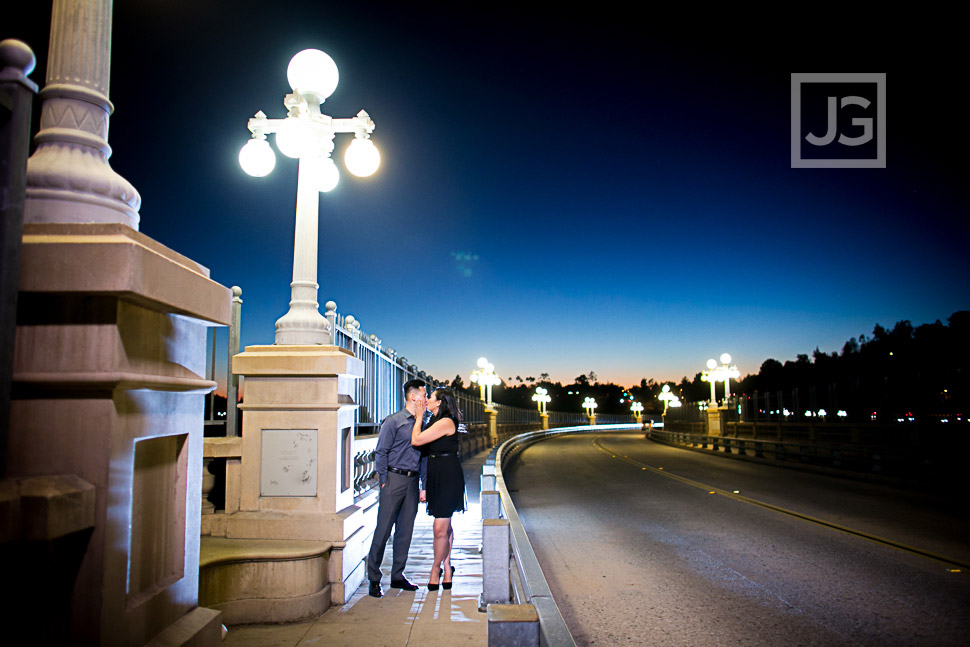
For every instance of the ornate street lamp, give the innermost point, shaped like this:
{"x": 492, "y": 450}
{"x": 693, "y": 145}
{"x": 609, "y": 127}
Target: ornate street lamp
{"x": 637, "y": 409}
{"x": 307, "y": 135}
{"x": 541, "y": 398}
{"x": 590, "y": 405}
{"x": 669, "y": 399}
{"x": 724, "y": 373}
{"x": 486, "y": 378}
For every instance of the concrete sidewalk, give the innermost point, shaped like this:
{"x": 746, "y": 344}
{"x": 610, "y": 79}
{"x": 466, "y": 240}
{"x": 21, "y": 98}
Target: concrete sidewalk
{"x": 401, "y": 618}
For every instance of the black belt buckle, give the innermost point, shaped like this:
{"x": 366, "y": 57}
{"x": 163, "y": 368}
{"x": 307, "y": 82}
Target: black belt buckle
{"x": 403, "y": 472}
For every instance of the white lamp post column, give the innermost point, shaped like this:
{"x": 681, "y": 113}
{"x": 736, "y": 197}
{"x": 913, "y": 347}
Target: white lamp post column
{"x": 669, "y": 399}
{"x": 709, "y": 376}
{"x": 541, "y": 398}
{"x": 590, "y": 405}
{"x": 303, "y": 323}
{"x": 308, "y": 135}
{"x": 69, "y": 179}
{"x": 714, "y": 374}
{"x": 637, "y": 409}
{"x": 486, "y": 378}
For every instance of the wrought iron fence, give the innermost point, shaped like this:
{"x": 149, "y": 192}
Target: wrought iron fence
{"x": 380, "y": 392}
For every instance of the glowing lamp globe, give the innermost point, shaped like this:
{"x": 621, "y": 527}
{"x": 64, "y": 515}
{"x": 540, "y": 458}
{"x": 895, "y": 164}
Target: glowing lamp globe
{"x": 362, "y": 157}
{"x": 711, "y": 363}
{"x": 313, "y": 72}
{"x": 328, "y": 176}
{"x": 257, "y": 158}
{"x": 292, "y": 138}
{"x": 725, "y": 358}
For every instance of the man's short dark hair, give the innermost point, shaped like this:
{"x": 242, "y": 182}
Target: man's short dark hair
{"x": 414, "y": 385}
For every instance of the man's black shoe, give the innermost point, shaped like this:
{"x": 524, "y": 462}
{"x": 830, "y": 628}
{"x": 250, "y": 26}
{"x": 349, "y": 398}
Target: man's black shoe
{"x": 403, "y": 584}
{"x": 375, "y": 590}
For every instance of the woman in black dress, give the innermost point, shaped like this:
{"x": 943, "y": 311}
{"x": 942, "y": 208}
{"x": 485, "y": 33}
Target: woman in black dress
{"x": 445, "y": 482}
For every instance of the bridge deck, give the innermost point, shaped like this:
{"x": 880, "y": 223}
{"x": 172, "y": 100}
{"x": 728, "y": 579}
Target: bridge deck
{"x": 400, "y": 618}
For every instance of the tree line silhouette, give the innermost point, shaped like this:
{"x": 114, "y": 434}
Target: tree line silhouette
{"x": 899, "y": 374}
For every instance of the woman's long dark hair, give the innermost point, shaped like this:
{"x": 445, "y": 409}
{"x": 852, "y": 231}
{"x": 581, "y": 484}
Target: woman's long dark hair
{"x": 449, "y": 404}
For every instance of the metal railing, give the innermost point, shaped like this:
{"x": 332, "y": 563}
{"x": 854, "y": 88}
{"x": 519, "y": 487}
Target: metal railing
{"x": 380, "y": 393}
{"x": 874, "y": 450}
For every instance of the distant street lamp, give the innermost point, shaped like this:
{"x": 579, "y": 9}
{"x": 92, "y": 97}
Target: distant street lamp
{"x": 590, "y": 405}
{"x": 307, "y": 134}
{"x": 486, "y": 378}
{"x": 637, "y": 409}
{"x": 724, "y": 373}
{"x": 669, "y": 399}
{"x": 708, "y": 376}
{"x": 541, "y": 398}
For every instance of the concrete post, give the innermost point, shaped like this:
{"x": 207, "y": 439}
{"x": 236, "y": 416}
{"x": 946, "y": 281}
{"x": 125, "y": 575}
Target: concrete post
{"x": 297, "y": 480}
{"x": 232, "y": 380}
{"x": 492, "y": 415}
{"x": 488, "y": 482}
{"x": 592, "y": 419}
{"x": 512, "y": 625}
{"x": 496, "y": 580}
{"x": 17, "y": 92}
{"x": 331, "y": 316}
{"x": 491, "y": 504}
{"x": 713, "y": 421}
{"x": 544, "y": 417}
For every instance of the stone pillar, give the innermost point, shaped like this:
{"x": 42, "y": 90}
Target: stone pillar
{"x": 512, "y": 625}
{"x": 491, "y": 504}
{"x": 492, "y": 416}
{"x": 108, "y": 386}
{"x": 297, "y": 478}
{"x": 68, "y": 176}
{"x": 544, "y": 417}
{"x": 108, "y": 365}
{"x": 496, "y": 582}
{"x": 232, "y": 380}
{"x": 592, "y": 419}
{"x": 17, "y": 61}
{"x": 713, "y": 421}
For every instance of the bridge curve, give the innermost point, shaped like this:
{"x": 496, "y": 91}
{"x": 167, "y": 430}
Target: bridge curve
{"x": 676, "y": 547}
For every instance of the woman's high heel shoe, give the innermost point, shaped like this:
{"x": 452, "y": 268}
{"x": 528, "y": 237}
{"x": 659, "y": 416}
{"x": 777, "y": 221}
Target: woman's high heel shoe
{"x": 446, "y": 585}
{"x": 434, "y": 587}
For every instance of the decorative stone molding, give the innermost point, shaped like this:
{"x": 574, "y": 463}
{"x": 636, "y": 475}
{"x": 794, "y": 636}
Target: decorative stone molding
{"x": 68, "y": 176}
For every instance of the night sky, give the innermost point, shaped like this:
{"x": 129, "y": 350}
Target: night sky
{"x": 560, "y": 193}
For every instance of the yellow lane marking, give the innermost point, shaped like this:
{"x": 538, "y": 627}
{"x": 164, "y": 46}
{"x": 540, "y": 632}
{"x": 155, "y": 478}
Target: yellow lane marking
{"x": 821, "y": 522}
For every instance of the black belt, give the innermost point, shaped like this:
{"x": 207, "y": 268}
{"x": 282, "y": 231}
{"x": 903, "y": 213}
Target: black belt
{"x": 440, "y": 455}
{"x": 403, "y": 472}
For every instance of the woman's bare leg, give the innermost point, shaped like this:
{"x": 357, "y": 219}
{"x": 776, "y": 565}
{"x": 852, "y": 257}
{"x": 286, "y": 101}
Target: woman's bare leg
{"x": 451, "y": 543}
{"x": 446, "y": 562}
{"x": 441, "y": 528}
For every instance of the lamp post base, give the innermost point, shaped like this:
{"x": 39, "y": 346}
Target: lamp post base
{"x": 302, "y": 327}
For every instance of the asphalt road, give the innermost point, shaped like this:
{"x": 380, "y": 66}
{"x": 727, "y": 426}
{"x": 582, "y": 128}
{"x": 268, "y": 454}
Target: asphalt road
{"x": 644, "y": 544}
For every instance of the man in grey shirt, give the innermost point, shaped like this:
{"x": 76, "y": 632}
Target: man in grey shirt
{"x": 399, "y": 467}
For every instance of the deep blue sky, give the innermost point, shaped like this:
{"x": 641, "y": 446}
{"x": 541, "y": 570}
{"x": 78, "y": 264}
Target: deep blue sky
{"x": 621, "y": 183}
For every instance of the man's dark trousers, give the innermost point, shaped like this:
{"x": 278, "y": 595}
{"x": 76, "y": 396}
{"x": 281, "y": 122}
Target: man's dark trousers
{"x": 397, "y": 506}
